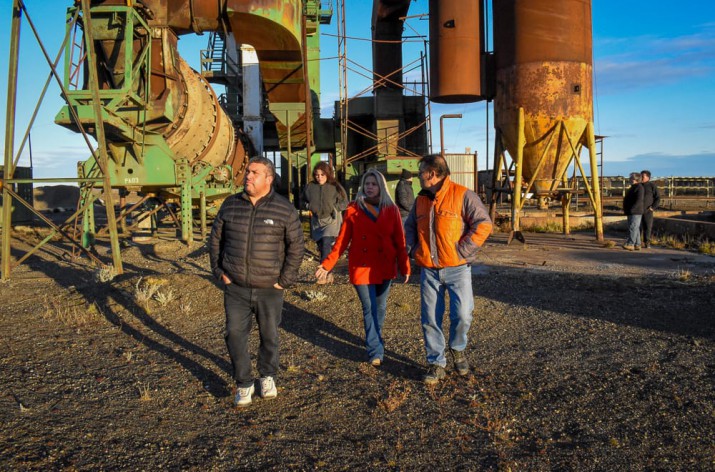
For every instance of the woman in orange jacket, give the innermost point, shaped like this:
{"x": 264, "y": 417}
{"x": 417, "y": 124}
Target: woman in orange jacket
{"x": 372, "y": 227}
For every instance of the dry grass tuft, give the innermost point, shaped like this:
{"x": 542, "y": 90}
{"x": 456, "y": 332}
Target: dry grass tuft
{"x": 673, "y": 242}
{"x": 682, "y": 275}
{"x": 144, "y": 392}
{"x": 105, "y": 274}
{"x": 185, "y": 307}
{"x": 69, "y": 313}
{"x": 396, "y": 395}
{"x": 165, "y": 297}
{"x": 145, "y": 290}
{"x": 707, "y": 247}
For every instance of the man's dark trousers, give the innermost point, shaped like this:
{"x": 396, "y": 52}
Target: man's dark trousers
{"x": 242, "y": 304}
{"x": 647, "y": 226}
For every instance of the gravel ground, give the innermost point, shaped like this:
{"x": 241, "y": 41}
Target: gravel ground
{"x": 578, "y": 363}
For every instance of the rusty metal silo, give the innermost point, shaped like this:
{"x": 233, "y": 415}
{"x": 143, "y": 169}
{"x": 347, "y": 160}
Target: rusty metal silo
{"x": 544, "y": 66}
{"x": 455, "y": 51}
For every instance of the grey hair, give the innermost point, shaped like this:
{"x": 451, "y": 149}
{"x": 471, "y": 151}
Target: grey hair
{"x": 266, "y": 162}
{"x": 635, "y": 176}
{"x": 385, "y": 198}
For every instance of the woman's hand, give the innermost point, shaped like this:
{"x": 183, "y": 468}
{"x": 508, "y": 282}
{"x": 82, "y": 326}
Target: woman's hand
{"x": 407, "y": 279}
{"x": 225, "y": 279}
{"x": 321, "y": 273}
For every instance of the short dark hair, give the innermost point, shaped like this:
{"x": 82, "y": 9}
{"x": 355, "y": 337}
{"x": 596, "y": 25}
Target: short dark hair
{"x": 635, "y": 176}
{"x": 646, "y": 173}
{"x": 435, "y": 163}
{"x": 266, "y": 162}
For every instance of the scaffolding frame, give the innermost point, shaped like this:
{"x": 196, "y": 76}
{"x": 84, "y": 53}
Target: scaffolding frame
{"x": 347, "y": 66}
{"x": 19, "y": 11}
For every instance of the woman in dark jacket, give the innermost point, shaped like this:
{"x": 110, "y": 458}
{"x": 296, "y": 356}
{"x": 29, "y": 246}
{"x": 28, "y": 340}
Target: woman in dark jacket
{"x": 633, "y": 209}
{"x": 326, "y": 199}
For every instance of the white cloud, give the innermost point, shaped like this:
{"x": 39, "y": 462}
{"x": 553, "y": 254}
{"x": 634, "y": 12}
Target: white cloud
{"x": 646, "y": 61}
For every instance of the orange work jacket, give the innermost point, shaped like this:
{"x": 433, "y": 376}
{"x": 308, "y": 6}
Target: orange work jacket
{"x": 448, "y": 228}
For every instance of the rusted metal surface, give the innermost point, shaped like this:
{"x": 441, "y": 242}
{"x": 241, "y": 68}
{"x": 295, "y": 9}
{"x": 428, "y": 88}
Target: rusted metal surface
{"x": 455, "y": 47}
{"x": 543, "y": 56}
{"x": 204, "y": 132}
{"x": 271, "y": 27}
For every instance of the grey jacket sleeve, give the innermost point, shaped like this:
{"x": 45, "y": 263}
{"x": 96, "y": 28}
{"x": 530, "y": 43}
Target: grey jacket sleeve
{"x": 294, "y": 249}
{"x": 478, "y": 226}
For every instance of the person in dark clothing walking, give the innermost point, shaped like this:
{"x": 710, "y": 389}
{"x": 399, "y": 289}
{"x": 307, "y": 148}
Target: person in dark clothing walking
{"x": 405, "y": 194}
{"x": 326, "y": 199}
{"x": 633, "y": 209}
{"x": 255, "y": 249}
{"x": 651, "y": 202}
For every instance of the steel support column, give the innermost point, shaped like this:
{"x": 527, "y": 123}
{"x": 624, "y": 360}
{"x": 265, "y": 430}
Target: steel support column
{"x": 10, "y": 135}
{"x": 101, "y": 138}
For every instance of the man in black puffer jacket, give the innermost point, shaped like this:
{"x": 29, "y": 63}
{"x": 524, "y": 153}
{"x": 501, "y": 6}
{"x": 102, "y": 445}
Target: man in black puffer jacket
{"x": 256, "y": 247}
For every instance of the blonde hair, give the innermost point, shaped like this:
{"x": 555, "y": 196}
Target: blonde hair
{"x": 385, "y": 198}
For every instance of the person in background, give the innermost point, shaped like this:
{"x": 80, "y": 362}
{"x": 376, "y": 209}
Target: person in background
{"x": 651, "y": 202}
{"x": 404, "y": 194}
{"x": 373, "y": 230}
{"x": 633, "y": 209}
{"x": 444, "y": 231}
{"x": 255, "y": 249}
{"x": 326, "y": 199}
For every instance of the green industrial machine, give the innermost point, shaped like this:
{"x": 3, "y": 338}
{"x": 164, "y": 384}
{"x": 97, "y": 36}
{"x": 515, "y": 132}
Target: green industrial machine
{"x": 166, "y": 134}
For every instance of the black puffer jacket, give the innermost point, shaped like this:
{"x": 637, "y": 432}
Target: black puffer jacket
{"x": 257, "y": 246}
{"x": 633, "y": 201}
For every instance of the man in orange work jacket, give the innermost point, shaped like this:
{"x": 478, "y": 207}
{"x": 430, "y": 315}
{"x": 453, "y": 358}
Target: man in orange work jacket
{"x": 444, "y": 231}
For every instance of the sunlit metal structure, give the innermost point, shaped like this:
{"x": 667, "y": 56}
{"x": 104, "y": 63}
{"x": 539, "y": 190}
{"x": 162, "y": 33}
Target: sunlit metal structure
{"x": 163, "y": 132}
{"x": 160, "y": 128}
{"x": 544, "y": 102}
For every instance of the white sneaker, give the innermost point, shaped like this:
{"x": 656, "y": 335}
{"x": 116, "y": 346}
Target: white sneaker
{"x": 243, "y": 396}
{"x": 268, "y": 388}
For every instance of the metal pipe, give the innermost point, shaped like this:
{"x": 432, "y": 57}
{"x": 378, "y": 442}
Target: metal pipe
{"x": 441, "y": 129}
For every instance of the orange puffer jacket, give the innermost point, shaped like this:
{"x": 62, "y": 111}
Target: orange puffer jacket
{"x": 447, "y": 229}
{"x": 377, "y": 248}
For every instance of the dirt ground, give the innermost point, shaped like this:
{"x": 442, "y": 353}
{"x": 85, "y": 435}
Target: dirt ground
{"x": 583, "y": 358}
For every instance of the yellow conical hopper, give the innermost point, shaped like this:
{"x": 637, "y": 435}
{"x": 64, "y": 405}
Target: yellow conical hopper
{"x": 543, "y": 65}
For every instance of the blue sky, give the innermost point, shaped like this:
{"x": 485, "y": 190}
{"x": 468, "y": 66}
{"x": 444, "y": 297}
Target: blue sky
{"x": 654, "y": 85}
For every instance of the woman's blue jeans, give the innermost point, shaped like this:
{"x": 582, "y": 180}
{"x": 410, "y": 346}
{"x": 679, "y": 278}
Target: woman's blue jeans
{"x": 434, "y": 284}
{"x": 373, "y": 298}
{"x": 634, "y": 230}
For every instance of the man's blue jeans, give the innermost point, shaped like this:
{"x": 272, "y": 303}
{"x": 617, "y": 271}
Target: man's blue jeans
{"x": 373, "y": 298}
{"x": 434, "y": 283}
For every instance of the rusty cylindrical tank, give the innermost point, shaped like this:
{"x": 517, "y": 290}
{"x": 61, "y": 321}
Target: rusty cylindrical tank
{"x": 183, "y": 107}
{"x": 202, "y": 131}
{"x": 455, "y": 51}
{"x": 543, "y": 56}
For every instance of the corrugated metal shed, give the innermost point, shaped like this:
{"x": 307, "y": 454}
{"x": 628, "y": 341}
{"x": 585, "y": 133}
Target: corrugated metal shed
{"x": 463, "y": 168}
